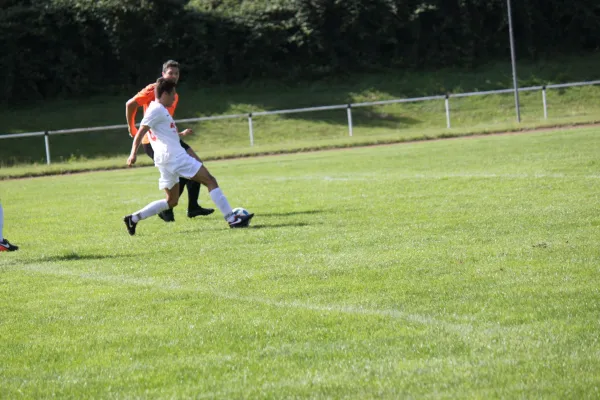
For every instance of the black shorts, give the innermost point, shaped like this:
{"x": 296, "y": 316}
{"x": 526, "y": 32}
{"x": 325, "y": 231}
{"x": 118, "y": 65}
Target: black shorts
{"x": 150, "y": 151}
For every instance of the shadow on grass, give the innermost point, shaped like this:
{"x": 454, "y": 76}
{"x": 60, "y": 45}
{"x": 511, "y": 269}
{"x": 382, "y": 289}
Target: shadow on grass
{"x": 290, "y": 225}
{"x": 363, "y": 116}
{"x": 73, "y": 256}
{"x": 252, "y": 226}
{"x": 288, "y": 214}
{"x": 76, "y": 257}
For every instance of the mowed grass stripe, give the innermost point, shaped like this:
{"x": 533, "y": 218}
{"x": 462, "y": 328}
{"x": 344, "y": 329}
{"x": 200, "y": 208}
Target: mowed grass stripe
{"x": 461, "y": 329}
{"x": 174, "y": 286}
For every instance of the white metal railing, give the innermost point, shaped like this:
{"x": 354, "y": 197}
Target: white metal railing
{"x": 348, "y": 108}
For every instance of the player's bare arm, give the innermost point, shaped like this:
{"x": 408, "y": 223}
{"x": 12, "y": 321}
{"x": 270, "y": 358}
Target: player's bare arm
{"x": 136, "y": 143}
{"x": 130, "y": 111}
{"x": 186, "y": 132}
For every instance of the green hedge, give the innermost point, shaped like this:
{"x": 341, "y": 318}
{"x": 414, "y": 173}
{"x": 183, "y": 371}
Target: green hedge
{"x": 62, "y": 47}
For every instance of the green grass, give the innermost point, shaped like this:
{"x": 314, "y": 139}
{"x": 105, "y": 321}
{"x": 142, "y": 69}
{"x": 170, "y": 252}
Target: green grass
{"x": 449, "y": 269}
{"x": 294, "y": 132}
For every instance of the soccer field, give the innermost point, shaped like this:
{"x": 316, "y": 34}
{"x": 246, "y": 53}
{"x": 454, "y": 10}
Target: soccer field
{"x": 465, "y": 268}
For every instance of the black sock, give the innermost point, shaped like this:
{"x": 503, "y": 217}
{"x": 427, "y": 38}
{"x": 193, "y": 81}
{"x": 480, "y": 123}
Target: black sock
{"x": 182, "y": 183}
{"x": 193, "y": 188}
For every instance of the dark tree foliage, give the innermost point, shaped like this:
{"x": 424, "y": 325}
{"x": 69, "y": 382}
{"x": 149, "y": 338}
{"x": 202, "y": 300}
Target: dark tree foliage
{"x": 61, "y": 47}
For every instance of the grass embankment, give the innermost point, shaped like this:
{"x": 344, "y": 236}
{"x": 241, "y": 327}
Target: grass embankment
{"x": 306, "y": 131}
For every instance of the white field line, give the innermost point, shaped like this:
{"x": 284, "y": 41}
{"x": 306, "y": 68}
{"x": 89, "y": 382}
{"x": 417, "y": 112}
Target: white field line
{"x": 461, "y": 329}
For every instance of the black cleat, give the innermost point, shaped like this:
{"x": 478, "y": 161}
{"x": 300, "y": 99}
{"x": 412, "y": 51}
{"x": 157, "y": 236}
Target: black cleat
{"x": 194, "y": 212}
{"x": 130, "y": 224}
{"x": 167, "y": 215}
{"x": 6, "y": 246}
{"x": 241, "y": 221}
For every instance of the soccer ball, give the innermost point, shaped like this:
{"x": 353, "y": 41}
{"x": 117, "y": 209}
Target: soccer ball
{"x": 240, "y": 211}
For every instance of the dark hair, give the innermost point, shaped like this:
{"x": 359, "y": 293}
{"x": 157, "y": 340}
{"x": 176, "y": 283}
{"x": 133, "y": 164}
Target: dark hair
{"x": 170, "y": 64}
{"x": 163, "y": 85}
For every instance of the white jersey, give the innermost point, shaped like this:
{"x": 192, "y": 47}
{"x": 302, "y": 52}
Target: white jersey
{"x": 163, "y": 134}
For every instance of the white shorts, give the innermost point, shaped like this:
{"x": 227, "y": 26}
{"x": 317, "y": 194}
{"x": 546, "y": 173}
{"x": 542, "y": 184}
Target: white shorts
{"x": 183, "y": 166}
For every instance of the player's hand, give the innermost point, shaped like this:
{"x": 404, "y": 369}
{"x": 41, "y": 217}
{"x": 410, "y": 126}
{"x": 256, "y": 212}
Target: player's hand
{"x": 186, "y": 132}
{"x": 132, "y": 131}
{"x": 131, "y": 160}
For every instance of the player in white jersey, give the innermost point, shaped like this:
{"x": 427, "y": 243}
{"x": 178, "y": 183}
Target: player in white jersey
{"x": 5, "y": 244}
{"x": 173, "y": 162}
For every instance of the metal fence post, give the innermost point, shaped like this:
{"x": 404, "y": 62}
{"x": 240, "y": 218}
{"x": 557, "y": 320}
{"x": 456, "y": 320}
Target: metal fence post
{"x": 513, "y": 61}
{"x": 447, "y": 101}
{"x": 47, "y": 141}
{"x": 251, "y": 129}
{"x": 544, "y": 101}
{"x": 349, "y": 112}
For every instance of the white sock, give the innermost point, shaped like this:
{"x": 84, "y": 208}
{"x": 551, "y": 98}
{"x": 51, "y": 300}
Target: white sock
{"x": 222, "y": 204}
{"x": 151, "y": 209}
{"x": 1, "y": 223}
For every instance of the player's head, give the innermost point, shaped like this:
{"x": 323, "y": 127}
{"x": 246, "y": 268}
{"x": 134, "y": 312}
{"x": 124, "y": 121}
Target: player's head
{"x": 170, "y": 70}
{"x": 165, "y": 91}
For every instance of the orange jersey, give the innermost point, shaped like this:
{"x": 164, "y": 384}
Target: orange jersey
{"x": 145, "y": 96}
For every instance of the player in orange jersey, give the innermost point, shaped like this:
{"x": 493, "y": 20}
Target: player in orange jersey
{"x": 170, "y": 71}
{"x": 4, "y": 244}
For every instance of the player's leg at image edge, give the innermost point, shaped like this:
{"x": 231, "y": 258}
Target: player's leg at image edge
{"x": 5, "y": 245}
